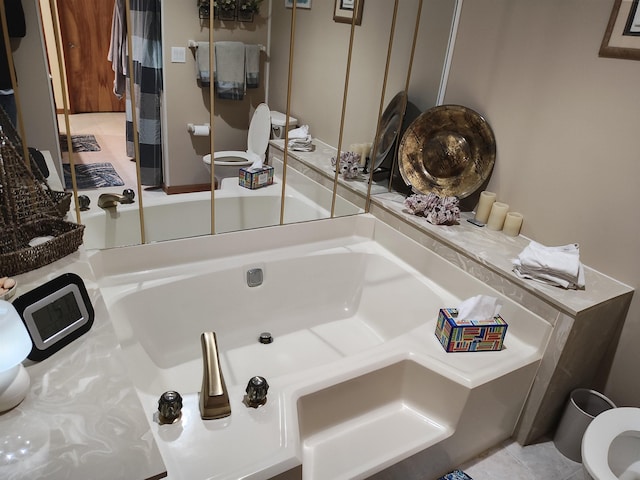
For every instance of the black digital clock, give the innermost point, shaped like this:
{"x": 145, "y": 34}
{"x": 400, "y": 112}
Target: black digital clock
{"x": 55, "y": 314}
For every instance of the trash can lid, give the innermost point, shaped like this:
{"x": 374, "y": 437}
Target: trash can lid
{"x": 279, "y": 119}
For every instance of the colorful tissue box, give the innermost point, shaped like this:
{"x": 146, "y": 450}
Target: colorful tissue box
{"x": 456, "y": 475}
{"x": 256, "y": 177}
{"x": 469, "y": 335}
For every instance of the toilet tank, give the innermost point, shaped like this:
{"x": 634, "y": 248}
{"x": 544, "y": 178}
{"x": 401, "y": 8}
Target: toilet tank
{"x": 278, "y": 123}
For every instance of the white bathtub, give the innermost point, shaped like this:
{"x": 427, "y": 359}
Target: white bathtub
{"x": 358, "y": 379}
{"x": 169, "y": 217}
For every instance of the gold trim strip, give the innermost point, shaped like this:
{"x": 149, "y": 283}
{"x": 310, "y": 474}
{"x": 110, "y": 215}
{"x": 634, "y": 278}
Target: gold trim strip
{"x": 345, "y": 95}
{"x": 134, "y": 120}
{"x": 382, "y": 94}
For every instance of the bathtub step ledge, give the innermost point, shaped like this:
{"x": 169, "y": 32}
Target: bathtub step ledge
{"x": 383, "y": 436}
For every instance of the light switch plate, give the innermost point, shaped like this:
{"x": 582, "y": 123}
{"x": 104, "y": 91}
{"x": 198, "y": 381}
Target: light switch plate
{"x": 178, "y": 54}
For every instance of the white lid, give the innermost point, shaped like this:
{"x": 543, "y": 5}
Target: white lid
{"x": 259, "y": 130}
{"x": 279, "y": 119}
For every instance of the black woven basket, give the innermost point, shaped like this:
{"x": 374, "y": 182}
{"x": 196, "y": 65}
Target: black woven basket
{"x": 32, "y": 232}
{"x": 59, "y": 239}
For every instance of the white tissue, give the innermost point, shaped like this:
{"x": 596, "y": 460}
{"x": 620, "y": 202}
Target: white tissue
{"x": 300, "y": 132}
{"x": 480, "y": 307}
{"x": 257, "y": 161}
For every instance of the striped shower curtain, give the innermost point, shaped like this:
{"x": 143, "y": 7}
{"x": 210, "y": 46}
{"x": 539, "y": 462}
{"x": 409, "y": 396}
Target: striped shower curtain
{"x": 147, "y": 78}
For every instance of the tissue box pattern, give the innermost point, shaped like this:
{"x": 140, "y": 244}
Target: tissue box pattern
{"x": 456, "y": 475}
{"x": 469, "y": 335}
{"x": 256, "y": 177}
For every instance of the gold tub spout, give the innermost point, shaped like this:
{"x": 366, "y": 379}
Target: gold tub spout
{"x": 110, "y": 200}
{"x": 214, "y": 398}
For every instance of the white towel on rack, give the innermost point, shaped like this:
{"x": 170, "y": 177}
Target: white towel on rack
{"x": 230, "y": 70}
{"x": 252, "y": 65}
{"x": 202, "y": 63}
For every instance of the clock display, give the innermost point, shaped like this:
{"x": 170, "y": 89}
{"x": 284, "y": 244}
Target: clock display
{"x": 55, "y": 317}
{"x": 55, "y": 314}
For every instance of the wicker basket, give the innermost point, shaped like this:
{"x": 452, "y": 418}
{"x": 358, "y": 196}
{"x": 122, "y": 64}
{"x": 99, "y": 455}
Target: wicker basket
{"x": 18, "y": 256}
{"x": 30, "y": 210}
{"x": 61, "y": 200}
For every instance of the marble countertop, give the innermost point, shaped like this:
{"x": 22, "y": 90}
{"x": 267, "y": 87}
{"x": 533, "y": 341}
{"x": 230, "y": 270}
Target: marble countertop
{"x": 81, "y": 417}
{"x": 319, "y": 159}
{"x": 496, "y": 251}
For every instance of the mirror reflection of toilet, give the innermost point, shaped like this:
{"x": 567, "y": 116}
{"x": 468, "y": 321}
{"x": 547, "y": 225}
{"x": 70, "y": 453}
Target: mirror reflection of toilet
{"x": 227, "y": 163}
{"x": 611, "y": 445}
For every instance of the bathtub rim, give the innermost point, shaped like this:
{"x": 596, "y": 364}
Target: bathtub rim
{"x": 359, "y": 229}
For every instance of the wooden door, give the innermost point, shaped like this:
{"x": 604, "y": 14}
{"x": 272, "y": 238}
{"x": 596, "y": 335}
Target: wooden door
{"x": 85, "y": 27}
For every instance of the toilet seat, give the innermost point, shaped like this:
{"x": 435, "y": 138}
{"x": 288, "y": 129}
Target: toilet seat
{"x": 599, "y": 436}
{"x": 231, "y": 158}
{"x": 259, "y": 130}
{"x": 257, "y": 143}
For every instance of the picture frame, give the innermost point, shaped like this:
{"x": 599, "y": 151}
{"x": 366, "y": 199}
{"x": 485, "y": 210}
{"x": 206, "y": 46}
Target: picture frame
{"x": 622, "y": 37}
{"x": 343, "y": 11}
{"x": 299, "y": 4}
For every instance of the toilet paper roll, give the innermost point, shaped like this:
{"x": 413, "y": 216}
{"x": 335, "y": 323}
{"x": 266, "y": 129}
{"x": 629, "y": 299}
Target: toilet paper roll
{"x": 198, "y": 130}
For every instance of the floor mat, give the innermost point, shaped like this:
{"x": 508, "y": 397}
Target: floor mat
{"x": 80, "y": 143}
{"x": 93, "y": 175}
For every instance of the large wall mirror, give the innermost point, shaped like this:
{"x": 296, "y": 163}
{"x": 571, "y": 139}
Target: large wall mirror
{"x": 343, "y": 81}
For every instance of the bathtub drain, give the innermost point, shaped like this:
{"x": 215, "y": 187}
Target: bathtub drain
{"x": 255, "y": 277}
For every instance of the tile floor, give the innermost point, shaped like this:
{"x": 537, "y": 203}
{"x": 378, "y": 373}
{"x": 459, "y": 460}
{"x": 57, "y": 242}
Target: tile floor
{"x": 109, "y": 130}
{"x": 510, "y": 461}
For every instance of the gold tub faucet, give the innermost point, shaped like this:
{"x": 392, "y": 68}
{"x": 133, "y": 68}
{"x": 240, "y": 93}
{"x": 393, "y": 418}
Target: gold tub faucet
{"x": 214, "y": 398}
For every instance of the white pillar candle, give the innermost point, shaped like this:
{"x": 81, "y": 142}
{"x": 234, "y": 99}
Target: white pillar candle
{"x": 498, "y": 214}
{"x": 360, "y": 149}
{"x": 512, "y": 224}
{"x": 484, "y": 206}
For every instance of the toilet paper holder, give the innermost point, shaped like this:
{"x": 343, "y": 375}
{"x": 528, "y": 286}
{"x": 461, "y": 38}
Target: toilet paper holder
{"x": 198, "y": 130}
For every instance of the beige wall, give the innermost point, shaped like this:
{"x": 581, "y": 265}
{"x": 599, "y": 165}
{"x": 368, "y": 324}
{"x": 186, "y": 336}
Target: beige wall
{"x": 318, "y": 77}
{"x": 566, "y": 124}
{"x": 35, "y": 90}
{"x": 320, "y": 58}
{"x": 52, "y": 53}
{"x": 185, "y": 102}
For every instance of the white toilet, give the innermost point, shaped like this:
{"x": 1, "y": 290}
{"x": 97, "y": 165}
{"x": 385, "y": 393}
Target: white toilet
{"x": 227, "y": 163}
{"x": 611, "y": 445}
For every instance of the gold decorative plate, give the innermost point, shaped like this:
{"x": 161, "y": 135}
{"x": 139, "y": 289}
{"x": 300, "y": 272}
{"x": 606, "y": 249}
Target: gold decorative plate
{"x": 449, "y": 150}
{"x": 390, "y": 124}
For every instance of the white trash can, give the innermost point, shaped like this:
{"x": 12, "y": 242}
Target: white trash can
{"x": 584, "y": 405}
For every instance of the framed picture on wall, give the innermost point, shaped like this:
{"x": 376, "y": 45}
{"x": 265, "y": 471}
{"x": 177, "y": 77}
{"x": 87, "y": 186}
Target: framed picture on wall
{"x": 622, "y": 37}
{"x": 344, "y": 11}
{"x": 299, "y": 3}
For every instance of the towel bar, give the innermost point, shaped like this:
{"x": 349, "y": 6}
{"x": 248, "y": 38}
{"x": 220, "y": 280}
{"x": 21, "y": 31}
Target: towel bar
{"x": 194, "y": 44}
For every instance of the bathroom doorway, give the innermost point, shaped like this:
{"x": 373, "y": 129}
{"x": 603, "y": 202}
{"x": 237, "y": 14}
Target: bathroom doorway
{"x": 85, "y": 28}
{"x": 97, "y": 120}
